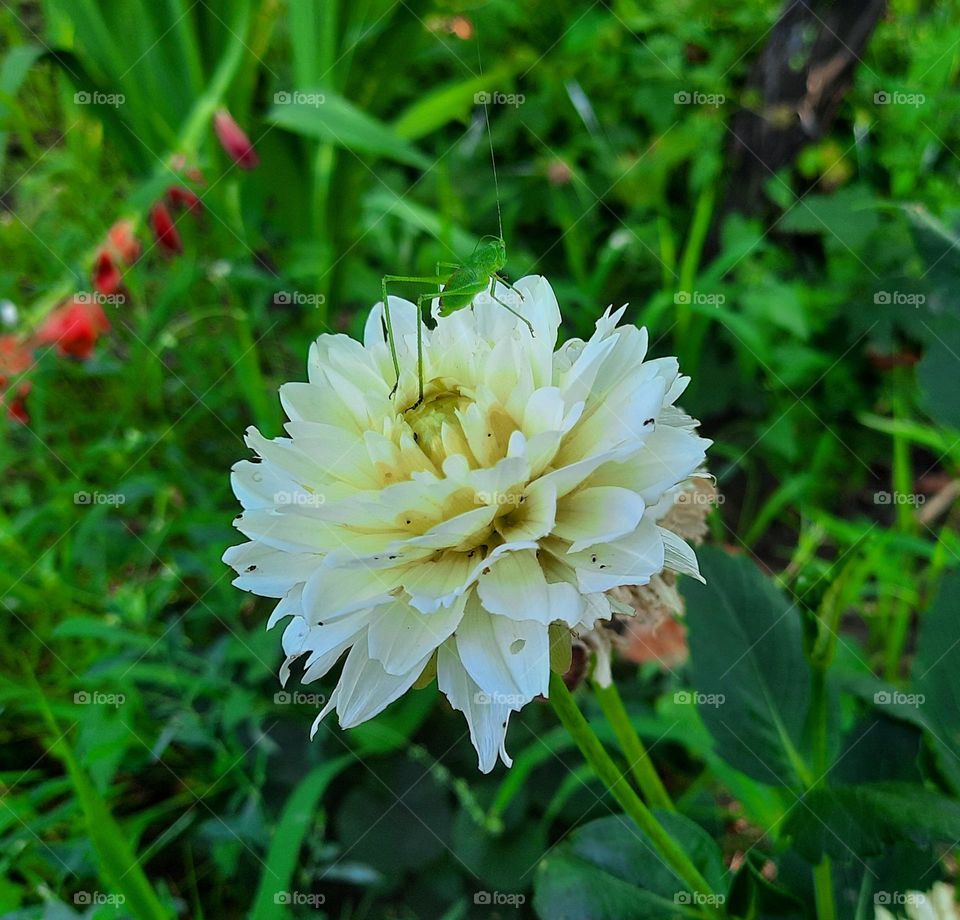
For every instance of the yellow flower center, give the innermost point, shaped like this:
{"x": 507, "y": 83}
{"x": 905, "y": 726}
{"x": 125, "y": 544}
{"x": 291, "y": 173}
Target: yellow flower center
{"x": 428, "y": 419}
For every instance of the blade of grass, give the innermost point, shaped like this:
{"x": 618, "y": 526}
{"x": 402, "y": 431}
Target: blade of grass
{"x": 298, "y": 812}
{"x": 119, "y": 866}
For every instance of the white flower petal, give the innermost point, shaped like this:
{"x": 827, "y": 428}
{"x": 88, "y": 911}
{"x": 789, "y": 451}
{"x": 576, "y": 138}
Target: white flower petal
{"x": 678, "y": 555}
{"x": 503, "y": 655}
{"x": 400, "y": 636}
{"x": 269, "y": 572}
{"x": 632, "y": 560}
{"x": 331, "y": 593}
{"x": 515, "y": 587}
{"x": 365, "y": 689}
{"x": 289, "y": 606}
{"x": 487, "y": 717}
{"x": 668, "y": 457}
{"x": 597, "y": 515}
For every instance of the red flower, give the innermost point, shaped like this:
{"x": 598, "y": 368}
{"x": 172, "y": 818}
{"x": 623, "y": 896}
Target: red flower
{"x": 107, "y": 277}
{"x": 234, "y": 141}
{"x": 180, "y": 196}
{"x": 74, "y": 328}
{"x": 14, "y": 360}
{"x": 122, "y": 242}
{"x": 164, "y": 229}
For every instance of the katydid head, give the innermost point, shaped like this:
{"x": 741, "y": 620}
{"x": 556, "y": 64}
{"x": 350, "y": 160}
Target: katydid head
{"x": 490, "y": 257}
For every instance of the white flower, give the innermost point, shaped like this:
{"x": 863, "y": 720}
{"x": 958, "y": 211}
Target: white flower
{"x": 453, "y": 535}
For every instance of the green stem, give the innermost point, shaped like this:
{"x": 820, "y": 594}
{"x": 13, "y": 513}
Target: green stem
{"x": 633, "y": 748}
{"x": 823, "y": 890}
{"x": 820, "y": 661}
{"x": 606, "y": 771}
{"x": 900, "y": 611}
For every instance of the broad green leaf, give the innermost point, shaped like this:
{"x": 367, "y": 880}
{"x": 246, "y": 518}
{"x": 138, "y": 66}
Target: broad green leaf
{"x": 863, "y": 819}
{"x": 298, "y": 812}
{"x": 937, "y": 680}
{"x": 609, "y": 869}
{"x": 938, "y": 371}
{"x": 846, "y": 218}
{"x": 750, "y": 676}
{"x": 324, "y": 115}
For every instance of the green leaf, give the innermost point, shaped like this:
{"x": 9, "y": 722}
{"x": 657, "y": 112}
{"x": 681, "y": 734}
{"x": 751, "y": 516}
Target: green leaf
{"x": 608, "y": 870}
{"x": 847, "y": 217}
{"x": 746, "y": 649}
{"x": 937, "y": 372}
{"x": 298, "y": 812}
{"x": 13, "y": 71}
{"x": 338, "y": 121}
{"x": 446, "y": 103}
{"x": 936, "y": 678}
{"x": 866, "y": 818}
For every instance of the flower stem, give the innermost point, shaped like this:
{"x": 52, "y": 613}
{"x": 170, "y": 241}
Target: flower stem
{"x": 633, "y": 748}
{"x": 823, "y": 890}
{"x": 606, "y": 770}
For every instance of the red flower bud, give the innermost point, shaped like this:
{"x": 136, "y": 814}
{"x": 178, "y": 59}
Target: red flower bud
{"x": 14, "y": 360}
{"x": 180, "y": 196}
{"x": 107, "y": 277}
{"x": 122, "y": 242}
{"x": 164, "y": 229}
{"x": 74, "y": 328}
{"x": 234, "y": 141}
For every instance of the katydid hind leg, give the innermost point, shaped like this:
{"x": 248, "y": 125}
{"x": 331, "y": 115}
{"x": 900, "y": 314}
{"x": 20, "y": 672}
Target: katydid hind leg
{"x": 391, "y": 340}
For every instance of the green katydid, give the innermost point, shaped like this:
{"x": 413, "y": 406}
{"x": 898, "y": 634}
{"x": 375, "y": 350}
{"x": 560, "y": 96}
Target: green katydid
{"x": 475, "y": 275}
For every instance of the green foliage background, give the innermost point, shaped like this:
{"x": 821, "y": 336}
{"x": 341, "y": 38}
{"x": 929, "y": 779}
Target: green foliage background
{"x": 144, "y": 753}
